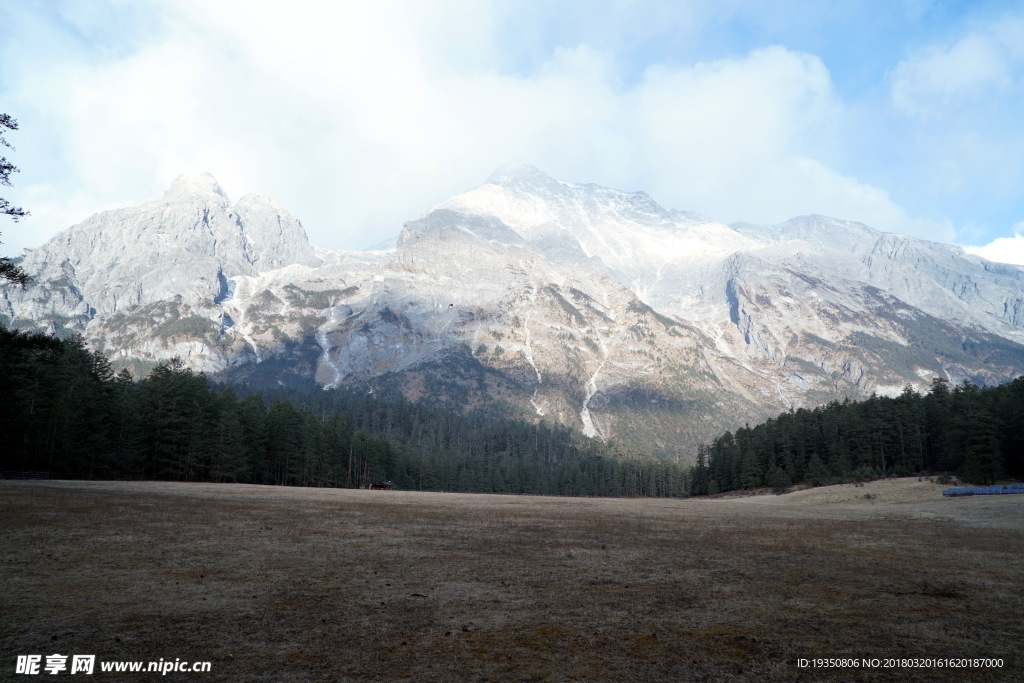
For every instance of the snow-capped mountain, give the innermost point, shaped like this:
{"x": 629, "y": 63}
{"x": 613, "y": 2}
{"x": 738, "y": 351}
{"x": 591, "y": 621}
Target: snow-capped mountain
{"x": 577, "y": 303}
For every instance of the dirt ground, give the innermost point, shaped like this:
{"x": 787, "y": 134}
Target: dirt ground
{"x": 290, "y": 584}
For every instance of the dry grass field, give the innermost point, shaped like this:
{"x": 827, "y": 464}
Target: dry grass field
{"x": 288, "y": 584}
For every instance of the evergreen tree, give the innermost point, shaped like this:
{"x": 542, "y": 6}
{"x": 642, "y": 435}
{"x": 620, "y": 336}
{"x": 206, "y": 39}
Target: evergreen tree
{"x": 817, "y": 473}
{"x": 177, "y": 407}
{"x": 127, "y": 448}
{"x": 228, "y": 461}
{"x": 752, "y": 476}
{"x": 983, "y": 460}
{"x": 778, "y": 480}
{"x": 9, "y": 271}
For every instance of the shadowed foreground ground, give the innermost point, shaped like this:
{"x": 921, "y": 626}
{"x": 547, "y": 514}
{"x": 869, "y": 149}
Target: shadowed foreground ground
{"x": 287, "y": 584}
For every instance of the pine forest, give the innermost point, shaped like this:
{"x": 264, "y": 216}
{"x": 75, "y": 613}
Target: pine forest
{"x": 65, "y": 413}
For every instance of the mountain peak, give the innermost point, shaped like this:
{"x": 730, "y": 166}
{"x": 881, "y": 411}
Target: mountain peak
{"x": 523, "y": 176}
{"x": 834, "y": 233}
{"x": 196, "y": 184}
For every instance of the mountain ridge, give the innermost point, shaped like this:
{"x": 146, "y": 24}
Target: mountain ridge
{"x": 589, "y": 306}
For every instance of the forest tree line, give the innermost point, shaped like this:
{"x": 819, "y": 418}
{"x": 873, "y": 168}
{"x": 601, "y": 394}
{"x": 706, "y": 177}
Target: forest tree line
{"x": 975, "y": 432}
{"x": 437, "y": 449}
{"x": 64, "y": 412}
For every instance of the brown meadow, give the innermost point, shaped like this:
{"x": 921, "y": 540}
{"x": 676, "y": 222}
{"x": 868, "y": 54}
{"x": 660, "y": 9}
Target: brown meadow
{"x": 290, "y": 584}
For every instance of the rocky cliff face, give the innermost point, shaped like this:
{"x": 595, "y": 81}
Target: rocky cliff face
{"x": 150, "y": 279}
{"x": 593, "y": 307}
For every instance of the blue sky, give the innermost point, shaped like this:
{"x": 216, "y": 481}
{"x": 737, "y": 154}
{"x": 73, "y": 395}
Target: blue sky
{"x": 359, "y": 116}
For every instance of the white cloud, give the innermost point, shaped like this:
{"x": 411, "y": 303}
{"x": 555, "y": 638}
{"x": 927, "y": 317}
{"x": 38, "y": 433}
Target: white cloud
{"x": 943, "y": 75}
{"x": 733, "y": 139}
{"x": 358, "y": 116}
{"x": 1003, "y": 249}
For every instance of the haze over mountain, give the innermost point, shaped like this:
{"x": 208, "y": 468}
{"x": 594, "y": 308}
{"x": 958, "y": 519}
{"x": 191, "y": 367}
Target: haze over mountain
{"x": 590, "y": 306}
